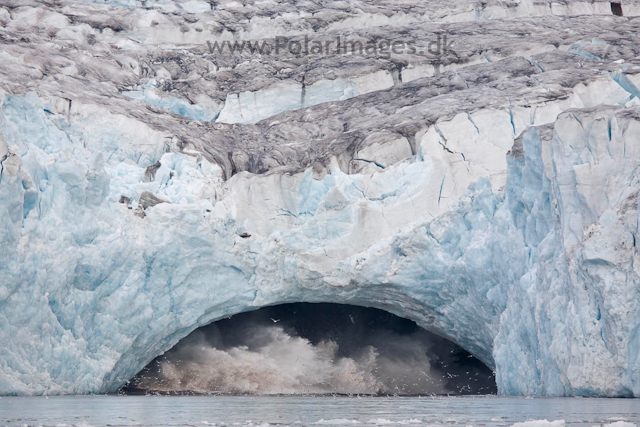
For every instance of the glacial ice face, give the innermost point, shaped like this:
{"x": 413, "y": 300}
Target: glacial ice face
{"x": 108, "y": 290}
{"x": 131, "y": 279}
{"x": 127, "y": 223}
{"x": 586, "y": 264}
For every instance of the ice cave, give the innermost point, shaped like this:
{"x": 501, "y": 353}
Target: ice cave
{"x": 489, "y": 194}
{"x": 313, "y": 349}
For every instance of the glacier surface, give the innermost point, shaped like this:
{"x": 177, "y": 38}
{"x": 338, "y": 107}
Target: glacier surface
{"x": 491, "y": 197}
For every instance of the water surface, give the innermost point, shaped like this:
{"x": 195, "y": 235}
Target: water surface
{"x": 309, "y": 410}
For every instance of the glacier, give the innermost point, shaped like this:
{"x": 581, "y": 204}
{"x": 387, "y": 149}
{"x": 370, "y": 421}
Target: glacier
{"x": 491, "y": 197}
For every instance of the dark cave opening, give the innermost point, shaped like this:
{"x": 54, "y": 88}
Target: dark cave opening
{"x": 616, "y": 8}
{"x": 320, "y": 348}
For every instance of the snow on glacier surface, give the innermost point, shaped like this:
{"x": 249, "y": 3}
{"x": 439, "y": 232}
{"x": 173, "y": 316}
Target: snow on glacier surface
{"x": 491, "y": 251}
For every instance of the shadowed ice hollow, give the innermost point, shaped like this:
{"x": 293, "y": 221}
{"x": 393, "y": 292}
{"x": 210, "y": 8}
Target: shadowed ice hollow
{"x": 316, "y": 348}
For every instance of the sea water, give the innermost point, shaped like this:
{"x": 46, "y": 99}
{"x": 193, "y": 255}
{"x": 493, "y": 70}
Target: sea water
{"x": 226, "y": 411}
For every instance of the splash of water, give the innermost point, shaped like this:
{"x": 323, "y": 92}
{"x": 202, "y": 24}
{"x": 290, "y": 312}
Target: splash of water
{"x": 275, "y": 362}
{"x": 315, "y": 349}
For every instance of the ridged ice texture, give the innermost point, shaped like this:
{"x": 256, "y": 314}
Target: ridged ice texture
{"x": 571, "y": 326}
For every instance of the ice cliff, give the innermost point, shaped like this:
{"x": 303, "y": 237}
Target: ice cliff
{"x": 149, "y": 186}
